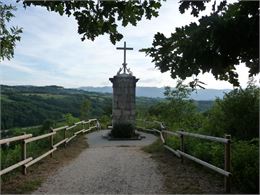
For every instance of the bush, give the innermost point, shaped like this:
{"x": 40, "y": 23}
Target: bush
{"x": 70, "y": 120}
{"x": 47, "y": 124}
{"x": 237, "y": 114}
{"x": 105, "y": 121}
{"x": 244, "y": 159}
{"x": 245, "y": 165}
{"x": 123, "y": 130}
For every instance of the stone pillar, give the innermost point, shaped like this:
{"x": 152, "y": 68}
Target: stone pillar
{"x": 123, "y": 103}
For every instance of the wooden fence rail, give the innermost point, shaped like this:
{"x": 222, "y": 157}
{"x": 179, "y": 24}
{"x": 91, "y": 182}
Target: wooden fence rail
{"x": 181, "y": 152}
{"x": 28, "y": 138}
{"x": 206, "y": 137}
{"x": 17, "y": 138}
{"x": 60, "y": 128}
{"x": 38, "y": 137}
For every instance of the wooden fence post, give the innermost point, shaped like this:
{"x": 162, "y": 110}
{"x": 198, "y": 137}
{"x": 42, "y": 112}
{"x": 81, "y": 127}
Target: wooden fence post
{"x": 64, "y": 135}
{"x": 227, "y": 164}
{"x": 182, "y": 145}
{"x": 165, "y": 135}
{"x": 51, "y": 141}
{"x": 23, "y": 148}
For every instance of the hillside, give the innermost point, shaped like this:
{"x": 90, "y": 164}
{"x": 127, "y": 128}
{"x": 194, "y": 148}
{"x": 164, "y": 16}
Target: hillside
{"x": 30, "y": 105}
{"x": 155, "y": 92}
{"x": 23, "y": 106}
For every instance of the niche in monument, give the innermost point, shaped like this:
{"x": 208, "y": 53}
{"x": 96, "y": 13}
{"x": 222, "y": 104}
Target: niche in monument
{"x": 123, "y": 103}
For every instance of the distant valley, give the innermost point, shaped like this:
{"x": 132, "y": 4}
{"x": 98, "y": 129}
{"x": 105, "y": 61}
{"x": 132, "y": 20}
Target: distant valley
{"x": 24, "y": 106}
{"x": 155, "y": 92}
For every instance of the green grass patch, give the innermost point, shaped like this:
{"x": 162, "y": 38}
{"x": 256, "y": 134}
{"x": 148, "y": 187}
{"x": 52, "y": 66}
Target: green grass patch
{"x": 46, "y": 95}
{"x": 155, "y": 147}
{"x": 5, "y": 98}
{"x": 29, "y": 186}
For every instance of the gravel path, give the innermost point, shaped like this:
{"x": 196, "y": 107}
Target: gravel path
{"x": 108, "y": 167}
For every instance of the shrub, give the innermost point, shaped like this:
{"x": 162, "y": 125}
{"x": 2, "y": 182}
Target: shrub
{"x": 70, "y": 120}
{"x": 237, "y": 114}
{"x": 244, "y": 159}
{"x": 47, "y": 124}
{"x": 105, "y": 121}
{"x": 123, "y": 130}
{"x": 245, "y": 165}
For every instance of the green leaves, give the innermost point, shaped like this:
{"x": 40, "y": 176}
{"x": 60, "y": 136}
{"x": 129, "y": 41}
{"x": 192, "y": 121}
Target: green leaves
{"x": 227, "y": 37}
{"x": 181, "y": 92}
{"x": 216, "y": 44}
{"x": 95, "y": 19}
{"x": 8, "y": 37}
{"x": 196, "y": 6}
{"x": 85, "y": 110}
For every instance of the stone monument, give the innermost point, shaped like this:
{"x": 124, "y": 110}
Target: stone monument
{"x": 124, "y": 84}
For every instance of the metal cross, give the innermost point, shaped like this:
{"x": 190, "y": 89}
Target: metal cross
{"x": 124, "y": 48}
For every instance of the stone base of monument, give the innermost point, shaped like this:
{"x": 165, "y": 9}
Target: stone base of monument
{"x": 123, "y": 131}
{"x": 109, "y": 137}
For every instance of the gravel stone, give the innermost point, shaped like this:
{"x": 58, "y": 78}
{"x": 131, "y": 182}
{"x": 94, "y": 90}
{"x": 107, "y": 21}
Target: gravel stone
{"x": 112, "y": 167}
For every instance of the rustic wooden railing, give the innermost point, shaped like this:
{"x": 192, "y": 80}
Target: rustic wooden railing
{"x": 163, "y": 133}
{"x": 26, "y": 162}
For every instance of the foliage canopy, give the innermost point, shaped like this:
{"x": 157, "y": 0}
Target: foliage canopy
{"x": 98, "y": 18}
{"x": 219, "y": 41}
{"x": 225, "y": 38}
{"x": 8, "y": 36}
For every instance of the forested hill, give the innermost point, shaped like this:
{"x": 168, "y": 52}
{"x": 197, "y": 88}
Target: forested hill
{"x": 30, "y": 105}
{"x": 52, "y": 89}
{"x": 23, "y": 106}
{"x": 153, "y": 92}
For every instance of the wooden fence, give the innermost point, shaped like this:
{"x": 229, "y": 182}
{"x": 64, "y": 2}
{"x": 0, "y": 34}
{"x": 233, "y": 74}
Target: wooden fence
{"x": 163, "y": 133}
{"x": 85, "y": 126}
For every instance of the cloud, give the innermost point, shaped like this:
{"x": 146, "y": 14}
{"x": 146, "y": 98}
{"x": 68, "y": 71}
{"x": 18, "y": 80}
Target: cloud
{"x": 16, "y": 66}
{"x": 52, "y": 53}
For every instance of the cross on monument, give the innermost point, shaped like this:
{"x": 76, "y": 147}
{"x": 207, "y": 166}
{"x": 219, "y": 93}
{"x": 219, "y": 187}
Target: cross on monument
{"x": 125, "y": 48}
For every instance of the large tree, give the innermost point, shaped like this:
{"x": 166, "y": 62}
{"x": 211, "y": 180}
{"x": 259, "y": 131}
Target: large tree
{"x": 217, "y": 43}
{"x": 99, "y": 17}
{"x": 8, "y": 35}
{"x": 226, "y": 37}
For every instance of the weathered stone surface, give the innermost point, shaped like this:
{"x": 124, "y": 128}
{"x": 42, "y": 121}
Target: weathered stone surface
{"x": 123, "y": 110}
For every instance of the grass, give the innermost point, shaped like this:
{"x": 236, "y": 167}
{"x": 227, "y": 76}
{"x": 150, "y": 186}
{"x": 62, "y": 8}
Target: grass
{"x": 30, "y": 186}
{"x": 5, "y": 98}
{"x": 155, "y": 147}
{"x": 46, "y": 95}
{"x": 186, "y": 178}
{"x": 17, "y": 183}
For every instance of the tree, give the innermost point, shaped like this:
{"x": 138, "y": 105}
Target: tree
{"x": 227, "y": 37}
{"x": 96, "y": 19}
{"x": 241, "y": 109}
{"x": 237, "y": 114}
{"x": 180, "y": 93}
{"x": 8, "y": 37}
{"x": 47, "y": 124}
{"x": 85, "y": 110}
{"x": 221, "y": 40}
{"x": 177, "y": 111}
{"x": 70, "y": 120}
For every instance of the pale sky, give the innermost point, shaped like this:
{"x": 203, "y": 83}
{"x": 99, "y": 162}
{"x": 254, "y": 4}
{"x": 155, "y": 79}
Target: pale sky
{"x": 51, "y": 52}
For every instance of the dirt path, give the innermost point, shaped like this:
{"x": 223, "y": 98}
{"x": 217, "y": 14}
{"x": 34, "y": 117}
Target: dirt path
{"x": 122, "y": 167}
{"x": 108, "y": 167}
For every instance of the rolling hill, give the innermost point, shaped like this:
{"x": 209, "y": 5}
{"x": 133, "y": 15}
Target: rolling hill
{"x": 155, "y": 92}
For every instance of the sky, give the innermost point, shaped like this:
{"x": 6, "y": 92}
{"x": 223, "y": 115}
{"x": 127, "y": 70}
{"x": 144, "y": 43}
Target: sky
{"x": 51, "y": 51}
